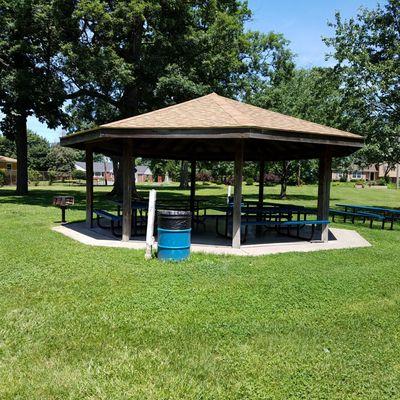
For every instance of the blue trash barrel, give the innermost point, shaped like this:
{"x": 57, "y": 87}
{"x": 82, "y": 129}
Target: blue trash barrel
{"x": 174, "y": 229}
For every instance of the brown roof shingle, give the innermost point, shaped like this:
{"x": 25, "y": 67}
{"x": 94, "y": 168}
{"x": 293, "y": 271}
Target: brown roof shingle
{"x": 214, "y": 111}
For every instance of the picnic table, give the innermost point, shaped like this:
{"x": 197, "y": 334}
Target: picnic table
{"x": 383, "y": 210}
{"x": 372, "y": 213}
{"x": 268, "y": 213}
{"x": 140, "y": 208}
{"x": 139, "y": 213}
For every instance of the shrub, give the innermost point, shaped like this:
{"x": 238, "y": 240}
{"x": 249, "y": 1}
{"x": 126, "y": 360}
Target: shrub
{"x": 52, "y": 177}
{"x": 384, "y": 181}
{"x": 359, "y": 183}
{"x": 2, "y": 177}
{"x": 78, "y": 174}
{"x": 249, "y": 181}
{"x": 34, "y": 176}
{"x": 203, "y": 176}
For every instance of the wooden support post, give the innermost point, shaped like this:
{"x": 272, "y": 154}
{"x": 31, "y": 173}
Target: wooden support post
{"x": 127, "y": 177}
{"x": 237, "y": 200}
{"x": 89, "y": 187}
{"x": 324, "y": 187}
{"x": 261, "y": 184}
{"x": 192, "y": 187}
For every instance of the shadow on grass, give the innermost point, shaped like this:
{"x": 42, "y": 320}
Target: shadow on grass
{"x": 289, "y": 197}
{"x": 102, "y": 199}
{"x": 44, "y": 198}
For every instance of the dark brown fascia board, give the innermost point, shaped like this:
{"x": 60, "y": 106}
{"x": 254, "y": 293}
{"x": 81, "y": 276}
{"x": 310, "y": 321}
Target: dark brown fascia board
{"x": 96, "y": 134}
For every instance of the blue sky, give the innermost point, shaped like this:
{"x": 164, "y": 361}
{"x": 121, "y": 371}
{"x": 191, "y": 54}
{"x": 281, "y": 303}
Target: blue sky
{"x": 303, "y": 22}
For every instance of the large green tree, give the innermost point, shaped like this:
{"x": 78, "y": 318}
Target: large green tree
{"x": 62, "y": 160}
{"x": 38, "y": 150}
{"x": 313, "y": 95}
{"x": 129, "y": 57}
{"x": 29, "y": 82}
{"x": 367, "y": 50}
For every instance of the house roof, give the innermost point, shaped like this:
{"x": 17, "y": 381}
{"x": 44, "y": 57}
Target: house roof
{"x": 8, "y": 159}
{"x": 143, "y": 170}
{"x": 211, "y": 128}
{"x": 97, "y": 166}
{"x": 214, "y": 111}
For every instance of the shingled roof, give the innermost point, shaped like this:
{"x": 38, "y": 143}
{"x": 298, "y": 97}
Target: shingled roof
{"x": 210, "y": 128}
{"x": 214, "y": 111}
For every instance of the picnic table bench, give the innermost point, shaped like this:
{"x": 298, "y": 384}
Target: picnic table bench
{"x": 383, "y": 210}
{"x": 279, "y": 225}
{"x": 114, "y": 220}
{"x": 367, "y": 213}
{"x": 265, "y": 215}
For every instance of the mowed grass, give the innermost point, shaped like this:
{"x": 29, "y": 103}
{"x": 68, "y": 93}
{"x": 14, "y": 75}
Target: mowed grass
{"x": 80, "y": 322}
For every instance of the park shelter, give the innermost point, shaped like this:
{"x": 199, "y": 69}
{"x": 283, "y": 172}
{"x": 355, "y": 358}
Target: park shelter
{"x": 213, "y": 127}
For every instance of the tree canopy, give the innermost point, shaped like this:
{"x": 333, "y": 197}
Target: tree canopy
{"x": 29, "y": 82}
{"x": 366, "y": 50}
{"x": 38, "y": 151}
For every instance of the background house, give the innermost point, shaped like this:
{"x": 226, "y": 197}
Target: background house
{"x": 143, "y": 174}
{"x": 9, "y": 165}
{"x": 105, "y": 170}
{"x": 369, "y": 173}
{"x": 101, "y": 170}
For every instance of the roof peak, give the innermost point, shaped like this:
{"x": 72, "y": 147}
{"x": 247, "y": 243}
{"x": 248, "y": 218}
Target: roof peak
{"x": 216, "y": 111}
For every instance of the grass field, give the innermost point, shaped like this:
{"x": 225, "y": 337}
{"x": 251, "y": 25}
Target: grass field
{"x": 80, "y": 322}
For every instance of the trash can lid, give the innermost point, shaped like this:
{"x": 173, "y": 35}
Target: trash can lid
{"x": 175, "y": 212}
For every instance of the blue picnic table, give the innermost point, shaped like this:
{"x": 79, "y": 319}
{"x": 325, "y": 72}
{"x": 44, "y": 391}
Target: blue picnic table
{"x": 382, "y": 214}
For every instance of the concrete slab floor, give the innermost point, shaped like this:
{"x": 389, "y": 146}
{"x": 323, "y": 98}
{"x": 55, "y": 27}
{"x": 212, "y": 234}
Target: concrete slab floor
{"x": 208, "y": 242}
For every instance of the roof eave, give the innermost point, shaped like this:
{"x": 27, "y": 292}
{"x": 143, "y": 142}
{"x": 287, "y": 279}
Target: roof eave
{"x": 93, "y": 135}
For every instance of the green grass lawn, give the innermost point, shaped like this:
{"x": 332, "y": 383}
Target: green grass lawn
{"x": 79, "y": 322}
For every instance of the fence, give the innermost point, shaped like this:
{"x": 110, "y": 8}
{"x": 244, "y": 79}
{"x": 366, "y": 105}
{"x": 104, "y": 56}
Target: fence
{"x": 11, "y": 177}
{"x": 69, "y": 179}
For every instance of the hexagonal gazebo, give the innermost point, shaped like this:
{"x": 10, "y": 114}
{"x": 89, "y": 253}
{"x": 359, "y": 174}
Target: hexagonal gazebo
{"x": 213, "y": 127}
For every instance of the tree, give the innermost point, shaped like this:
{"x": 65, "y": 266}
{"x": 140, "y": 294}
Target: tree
{"x": 184, "y": 175}
{"x": 7, "y": 147}
{"x": 366, "y": 49}
{"x": 62, "y": 160}
{"x": 29, "y": 83}
{"x": 313, "y": 95}
{"x": 38, "y": 150}
{"x": 130, "y": 57}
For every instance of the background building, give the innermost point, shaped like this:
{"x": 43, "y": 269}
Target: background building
{"x": 9, "y": 165}
{"x": 369, "y": 173}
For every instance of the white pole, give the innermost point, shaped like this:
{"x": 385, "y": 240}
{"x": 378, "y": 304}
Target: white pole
{"x": 150, "y": 224}
{"x": 229, "y": 194}
{"x": 398, "y": 176}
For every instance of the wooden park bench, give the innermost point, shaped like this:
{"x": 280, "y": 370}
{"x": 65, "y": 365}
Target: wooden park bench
{"x": 115, "y": 220}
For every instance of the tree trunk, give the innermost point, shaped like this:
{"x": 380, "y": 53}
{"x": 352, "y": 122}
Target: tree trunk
{"x": 118, "y": 184}
{"x": 117, "y": 190}
{"x": 299, "y": 173}
{"x": 284, "y": 179}
{"x": 21, "y": 141}
{"x": 184, "y": 176}
{"x": 283, "y": 189}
